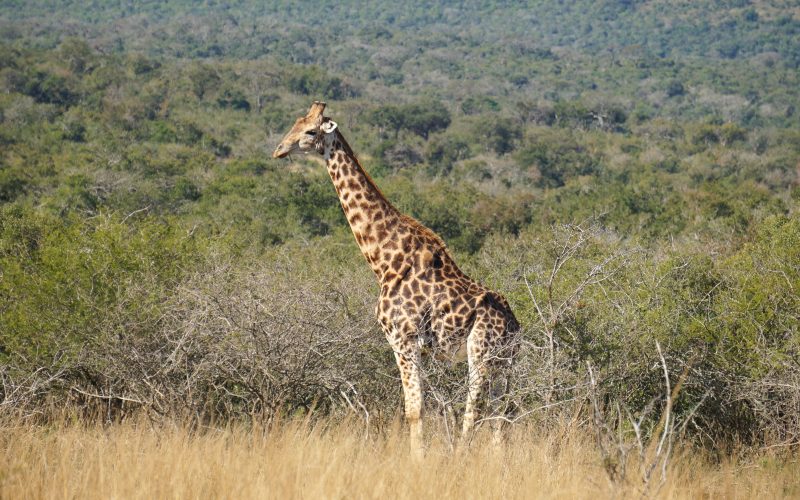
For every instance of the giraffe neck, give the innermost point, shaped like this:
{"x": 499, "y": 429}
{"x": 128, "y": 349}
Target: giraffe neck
{"x": 370, "y": 215}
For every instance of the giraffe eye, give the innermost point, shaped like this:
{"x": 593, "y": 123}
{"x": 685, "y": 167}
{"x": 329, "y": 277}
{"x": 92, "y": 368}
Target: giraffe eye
{"x": 311, "y": 132}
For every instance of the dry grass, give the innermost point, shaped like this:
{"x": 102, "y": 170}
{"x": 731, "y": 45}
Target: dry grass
{"x": 295, "y": 460}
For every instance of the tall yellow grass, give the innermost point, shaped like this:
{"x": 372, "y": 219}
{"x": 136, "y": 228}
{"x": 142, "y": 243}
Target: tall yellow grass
{"x": 298, "y": 460}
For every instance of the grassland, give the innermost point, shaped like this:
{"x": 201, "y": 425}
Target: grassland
{"x": 303, "y": 460}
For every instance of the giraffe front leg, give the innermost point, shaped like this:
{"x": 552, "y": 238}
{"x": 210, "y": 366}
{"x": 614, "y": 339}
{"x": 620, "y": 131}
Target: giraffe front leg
{"x": 408, "y": 363}
{"x": 401, "y": 337}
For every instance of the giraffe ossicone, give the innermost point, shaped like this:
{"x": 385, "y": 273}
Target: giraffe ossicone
{"x": 426, "y": 301}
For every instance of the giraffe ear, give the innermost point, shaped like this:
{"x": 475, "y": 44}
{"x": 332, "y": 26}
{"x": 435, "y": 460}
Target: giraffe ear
{"x": 328, "y": 126}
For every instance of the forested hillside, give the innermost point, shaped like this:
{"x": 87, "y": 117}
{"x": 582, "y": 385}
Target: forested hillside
{"x": 148, "y": 241}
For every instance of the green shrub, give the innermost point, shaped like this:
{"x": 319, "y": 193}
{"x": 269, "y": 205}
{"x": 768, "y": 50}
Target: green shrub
{"x": 68, "y": 283}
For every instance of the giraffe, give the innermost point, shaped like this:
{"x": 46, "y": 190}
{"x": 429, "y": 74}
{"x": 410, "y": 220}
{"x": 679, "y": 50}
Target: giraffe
{"x": 426, "y": 301}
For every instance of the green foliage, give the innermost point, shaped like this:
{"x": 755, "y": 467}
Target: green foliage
{"x": 265, "y": 206}
{"x": 69, "y": 283}
{"x": 422, "y": 118}
{"x": 606, "y": 302}
{"x": 234, "y": 98}
{"x": 12, "y": 185}
{"x": 675, "y": 88}
{"x": 425, "y": 117}
{"x": 314, "y": 81}
{"x": 757, "y": 314}
{"x": 557, "y": 157}
{"x": 77, "y": 54}
{"x": 498, "y": 134}
{"x": 45, "y": 87}
{"x": 203, "y": 79}
{"x": 140, "y": 64}
{"x": 444, "y": 150}
{"x": 477, "y": 105}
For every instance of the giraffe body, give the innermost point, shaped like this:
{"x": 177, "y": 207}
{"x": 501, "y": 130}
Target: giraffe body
{"x": 426, "y": 302}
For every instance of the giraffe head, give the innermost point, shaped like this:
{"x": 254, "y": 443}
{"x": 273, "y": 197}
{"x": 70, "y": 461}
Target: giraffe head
{"x": 307, "y": 134}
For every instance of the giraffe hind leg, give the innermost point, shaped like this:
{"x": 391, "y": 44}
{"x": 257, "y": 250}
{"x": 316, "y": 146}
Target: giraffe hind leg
{"x": 489, "y": 358}
{"x": 476, "y": 378}
{"x": 500, "y": 404}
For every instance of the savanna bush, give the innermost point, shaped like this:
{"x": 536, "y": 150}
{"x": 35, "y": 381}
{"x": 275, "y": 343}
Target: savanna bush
{"x": 68, "y": 284}
{"x": 124, "y": 316}
{"x": 590, "y": 299}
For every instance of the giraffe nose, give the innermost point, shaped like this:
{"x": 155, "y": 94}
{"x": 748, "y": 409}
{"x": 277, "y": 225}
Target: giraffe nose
{"x": 280, "y": 151}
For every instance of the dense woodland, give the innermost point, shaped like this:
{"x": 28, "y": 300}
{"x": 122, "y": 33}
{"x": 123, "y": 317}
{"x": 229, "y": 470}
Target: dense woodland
{"x": 627, "y": 173}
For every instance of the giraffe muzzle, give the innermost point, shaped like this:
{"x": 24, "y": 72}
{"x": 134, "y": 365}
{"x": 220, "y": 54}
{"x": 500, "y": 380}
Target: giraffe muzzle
{"x": 281, "y": 151}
